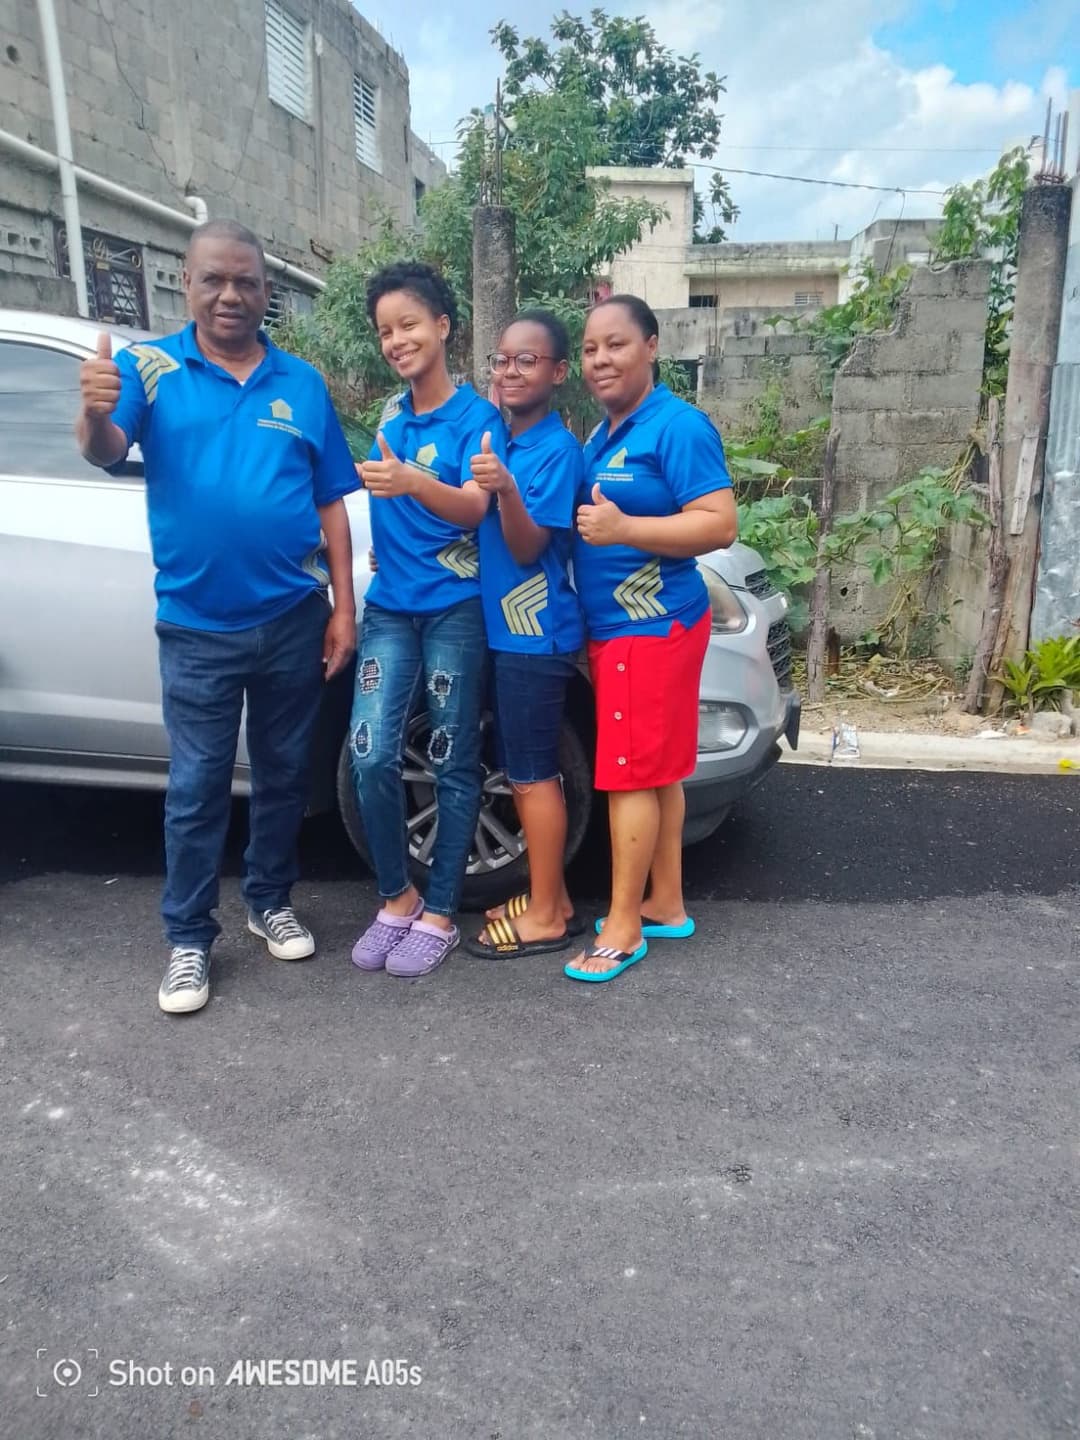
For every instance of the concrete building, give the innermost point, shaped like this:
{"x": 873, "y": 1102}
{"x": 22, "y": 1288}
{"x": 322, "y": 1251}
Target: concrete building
{"x": 290, "y": 115}
{"x": 703, "y": 292}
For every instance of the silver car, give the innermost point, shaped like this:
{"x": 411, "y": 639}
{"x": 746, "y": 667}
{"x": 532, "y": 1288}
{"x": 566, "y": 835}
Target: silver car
{"x": 80, "y": 699}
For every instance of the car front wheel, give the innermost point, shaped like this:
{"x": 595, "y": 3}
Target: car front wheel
{"x": 498, "y": 864}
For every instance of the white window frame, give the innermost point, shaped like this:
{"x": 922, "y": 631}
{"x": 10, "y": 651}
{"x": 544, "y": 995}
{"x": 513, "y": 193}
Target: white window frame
{"x": 809, "y": 299}
{"x": 366, "y": 123}
{"x": 288, "y": 60}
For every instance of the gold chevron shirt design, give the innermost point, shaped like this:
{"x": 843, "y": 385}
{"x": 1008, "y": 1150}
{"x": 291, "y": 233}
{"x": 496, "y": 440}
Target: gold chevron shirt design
{"x": 524, "y": 603}
{"x": 637, "y": 593}
{"x": 461, "y": 557}
{"x": 152, "y": 363}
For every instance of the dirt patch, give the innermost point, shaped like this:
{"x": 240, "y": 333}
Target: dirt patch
{"x": 879, "y": 694}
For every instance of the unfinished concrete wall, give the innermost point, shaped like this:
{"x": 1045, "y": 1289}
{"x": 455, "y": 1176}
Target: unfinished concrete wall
{"x": 904, "y": 399}
{"x": 172, "y": 100}
{"x": 748, "y": 365}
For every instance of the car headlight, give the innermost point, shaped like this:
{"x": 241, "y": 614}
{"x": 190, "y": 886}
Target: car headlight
{"x": 728, "y": 615}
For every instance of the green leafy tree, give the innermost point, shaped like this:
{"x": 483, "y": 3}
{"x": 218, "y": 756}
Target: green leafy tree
{"x": 568, "y": 227}
{"x": 722, "y": 205}
{"x": 603, "y": 91}
{"x": 648, "y": 106}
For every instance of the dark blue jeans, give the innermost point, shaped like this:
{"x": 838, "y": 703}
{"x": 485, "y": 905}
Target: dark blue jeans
{"x": 447, "y": 655}
{"x": 205, "y": 676}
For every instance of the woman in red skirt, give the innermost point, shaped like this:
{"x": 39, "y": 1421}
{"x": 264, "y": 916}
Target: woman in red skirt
{"x": 657, "y": 493}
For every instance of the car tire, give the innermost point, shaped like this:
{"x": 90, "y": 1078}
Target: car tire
{"x": 498, "y": 863}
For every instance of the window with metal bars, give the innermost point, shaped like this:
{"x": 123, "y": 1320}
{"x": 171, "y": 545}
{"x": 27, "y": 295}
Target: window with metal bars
{"x": 365, "y": 121}
{"x": 288, "y": 60}
{"x": 115, "y": 282}
{"x": 808, "y": 299}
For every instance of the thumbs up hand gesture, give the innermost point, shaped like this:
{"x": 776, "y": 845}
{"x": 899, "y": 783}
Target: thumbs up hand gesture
{"x": 601, "y": 522}
{"x": 388, "y": 476}
{"x": 488, "y": 470}
{"x": 99, "y": 380}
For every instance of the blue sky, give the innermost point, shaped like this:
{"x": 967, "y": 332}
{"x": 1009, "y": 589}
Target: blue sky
{"x": 994, "y": 40}
{"x": 914, "y": 94}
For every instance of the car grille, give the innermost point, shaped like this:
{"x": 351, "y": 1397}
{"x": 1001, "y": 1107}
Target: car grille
{"x": 760, "y": 585}
{"x": 779, "y": 646}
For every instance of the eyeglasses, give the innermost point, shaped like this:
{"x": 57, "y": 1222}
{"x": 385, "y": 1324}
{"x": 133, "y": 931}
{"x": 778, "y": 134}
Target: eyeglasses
{"x": 526, "y": 362}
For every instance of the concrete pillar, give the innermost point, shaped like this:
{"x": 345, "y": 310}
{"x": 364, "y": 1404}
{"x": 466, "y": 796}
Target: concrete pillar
{"x": 1040, "y": 277}
{"x": 494, "y": 284}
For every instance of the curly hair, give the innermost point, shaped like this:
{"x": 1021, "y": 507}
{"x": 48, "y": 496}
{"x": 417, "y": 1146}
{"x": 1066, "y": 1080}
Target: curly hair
{"x": 423, "y": 282}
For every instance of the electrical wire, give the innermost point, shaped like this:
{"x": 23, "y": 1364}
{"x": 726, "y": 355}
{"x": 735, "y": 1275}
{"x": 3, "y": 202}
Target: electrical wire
{"x": 816, "y": 180}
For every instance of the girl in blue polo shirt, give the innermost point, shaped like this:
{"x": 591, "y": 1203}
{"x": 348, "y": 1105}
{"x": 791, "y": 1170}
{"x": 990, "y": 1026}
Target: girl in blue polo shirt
{"x": 534, "y": 625}
{"x": 656, "y": 495}
{"x": 423, "y": 626}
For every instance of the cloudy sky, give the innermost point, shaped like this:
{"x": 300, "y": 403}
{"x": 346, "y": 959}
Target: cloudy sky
{"x": 900, "y": 93}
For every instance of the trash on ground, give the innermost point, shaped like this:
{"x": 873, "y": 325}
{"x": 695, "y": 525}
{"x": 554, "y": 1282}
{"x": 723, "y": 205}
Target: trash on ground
{"x": 845, "y": 744}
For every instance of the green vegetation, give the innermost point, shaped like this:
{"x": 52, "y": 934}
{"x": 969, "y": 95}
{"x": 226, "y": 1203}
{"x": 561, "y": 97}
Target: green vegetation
{"x": 983, "y": 219}
{"x": 896, "y": 542}
{"x": 1046, "y": 678}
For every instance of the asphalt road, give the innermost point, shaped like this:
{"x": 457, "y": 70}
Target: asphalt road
{"x": 811, "y": 1174}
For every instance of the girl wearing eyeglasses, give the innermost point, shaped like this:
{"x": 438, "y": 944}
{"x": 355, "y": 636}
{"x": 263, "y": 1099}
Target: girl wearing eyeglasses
{"x": 533, "y": 622}
{"x": 656, "y": 495}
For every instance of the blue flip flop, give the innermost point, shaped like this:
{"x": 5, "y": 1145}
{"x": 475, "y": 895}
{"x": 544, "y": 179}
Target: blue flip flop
{"x": 653, "y": 930}
{"x": 620, "y": 961}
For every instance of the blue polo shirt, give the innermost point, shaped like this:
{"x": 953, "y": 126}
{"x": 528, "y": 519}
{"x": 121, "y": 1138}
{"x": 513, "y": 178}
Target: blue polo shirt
{"x": 235, "y": 476}
{"x": 425, "y": 563}
{"x": 532, "y": 609}
{"x": 662, "y": 456}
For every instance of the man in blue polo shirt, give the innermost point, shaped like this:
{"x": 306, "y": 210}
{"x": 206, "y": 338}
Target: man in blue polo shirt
{"x": 246, "y": 470}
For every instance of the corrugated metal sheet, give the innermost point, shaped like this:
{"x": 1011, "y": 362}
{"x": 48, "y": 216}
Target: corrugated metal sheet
{"x": 1056, "y": 610}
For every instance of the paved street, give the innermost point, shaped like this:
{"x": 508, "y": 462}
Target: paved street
{"x": 812, "y": 1174}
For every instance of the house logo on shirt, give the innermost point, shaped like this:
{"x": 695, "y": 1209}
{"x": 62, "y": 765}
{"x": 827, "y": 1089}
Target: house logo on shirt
{"x": 424, "y": 460}
{"x": 281, "y": 414}
{"x": 615, "y": 470}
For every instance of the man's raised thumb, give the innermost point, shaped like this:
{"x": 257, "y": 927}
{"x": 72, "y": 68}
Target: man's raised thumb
{"x": 384, "y": 448}
{"x": 597, "y": 494}
{"x": 485, "y": 443}
{"x": 104, "y": 346}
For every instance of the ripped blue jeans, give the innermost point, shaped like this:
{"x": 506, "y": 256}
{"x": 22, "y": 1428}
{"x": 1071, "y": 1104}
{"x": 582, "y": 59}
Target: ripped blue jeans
{"x": 397, "y": 655}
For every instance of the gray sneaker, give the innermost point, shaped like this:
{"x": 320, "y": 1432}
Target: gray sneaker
{"x": 285, "y": 937}
{"x": 186, "y": 985}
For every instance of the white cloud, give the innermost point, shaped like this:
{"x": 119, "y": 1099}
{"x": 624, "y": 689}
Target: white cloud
{"x": 812, "y": 80}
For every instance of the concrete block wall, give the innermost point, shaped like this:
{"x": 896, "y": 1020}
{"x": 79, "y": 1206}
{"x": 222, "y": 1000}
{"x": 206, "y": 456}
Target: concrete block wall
{"x": 905, "y": 399}
{"x": 740, "y": 375}
{"x": 172, "y": 100}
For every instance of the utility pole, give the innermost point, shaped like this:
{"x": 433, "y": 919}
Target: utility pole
{"x": 1040, "y": 277}
{"x": 494, "y": 266}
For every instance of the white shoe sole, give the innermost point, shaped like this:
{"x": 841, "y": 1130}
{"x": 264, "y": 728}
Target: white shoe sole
{"x": 184, "y": 1001}
{"x": 291, "y": 950}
